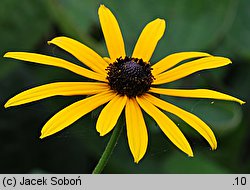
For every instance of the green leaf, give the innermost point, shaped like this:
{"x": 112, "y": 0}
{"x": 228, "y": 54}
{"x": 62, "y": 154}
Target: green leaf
{"x": 22, "y": 27}
{"x": 237, "y": 39}
{"x": 221, "y": 116}
{"x": 179, "y": 163}
{"x": 77, "y": 19}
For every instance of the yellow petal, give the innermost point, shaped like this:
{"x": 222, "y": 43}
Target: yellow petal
{"x": 82, "y": 53}
{"x": 196, "y": 93}
{"x": 148, "y": 39}
{"x": 173, "y": 59}
{"x": 110, "y": 114}
{"x": 54, "y": 61}
{"x": 73, "y": 112}
{"x": 136, "y": 130}
{"x": 55, "y": 89}
{"x": 191, "y": 67}
{"x": 189, "y": 118}
{"x": 107, "y": 59}
{"x": 112, "y": 33}
{"x": 166, "y": 125}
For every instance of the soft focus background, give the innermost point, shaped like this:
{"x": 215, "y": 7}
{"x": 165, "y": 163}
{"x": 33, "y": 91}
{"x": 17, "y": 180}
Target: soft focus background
{"x": 217, "y": 27}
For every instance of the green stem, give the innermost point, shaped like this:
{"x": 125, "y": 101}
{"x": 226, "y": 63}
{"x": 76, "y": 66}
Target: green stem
{"x": 108, "y": 150}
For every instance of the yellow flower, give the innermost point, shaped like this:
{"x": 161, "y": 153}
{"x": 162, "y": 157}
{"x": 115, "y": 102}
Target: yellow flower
{"x": 124, "y": 81}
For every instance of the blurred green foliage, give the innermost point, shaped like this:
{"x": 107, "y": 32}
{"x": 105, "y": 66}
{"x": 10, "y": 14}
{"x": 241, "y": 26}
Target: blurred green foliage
{"x": 217, "y": 27}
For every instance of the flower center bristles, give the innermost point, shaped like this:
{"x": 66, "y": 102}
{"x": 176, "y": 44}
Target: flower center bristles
{"x": 129, "y": 76}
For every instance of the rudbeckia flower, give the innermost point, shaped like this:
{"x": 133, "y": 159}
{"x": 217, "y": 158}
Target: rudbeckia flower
{"x": 125, "y": 82}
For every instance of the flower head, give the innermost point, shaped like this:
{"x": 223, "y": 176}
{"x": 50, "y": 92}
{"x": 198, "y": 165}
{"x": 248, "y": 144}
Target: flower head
{"x": 124, "y": 82}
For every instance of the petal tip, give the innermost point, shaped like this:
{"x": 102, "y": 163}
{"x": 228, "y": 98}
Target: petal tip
{"x": 7, "y": 104}
{"x": 190, "y": 153}
{"x": 52, "y": 40}
{"x": 213, "y": 143}
{"x": 227, "y": 60}
{"x": 102, "y": 7}
{"x": 242, "y": 102}
{"x": 56, "y": 39}
{"x": 7, "y": 54}
{"x": 102, "y": 134}
{"x": 136, "y": 160}
{"x": 42, "y": 136}
{"x": 161, "y": 20}
{"x": 214, "y": 147}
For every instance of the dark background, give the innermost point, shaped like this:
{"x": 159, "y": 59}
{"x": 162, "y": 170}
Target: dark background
{"x": 217, "y": 27}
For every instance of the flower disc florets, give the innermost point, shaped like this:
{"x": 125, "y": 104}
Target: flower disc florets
{"x": 130, "y": 76}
